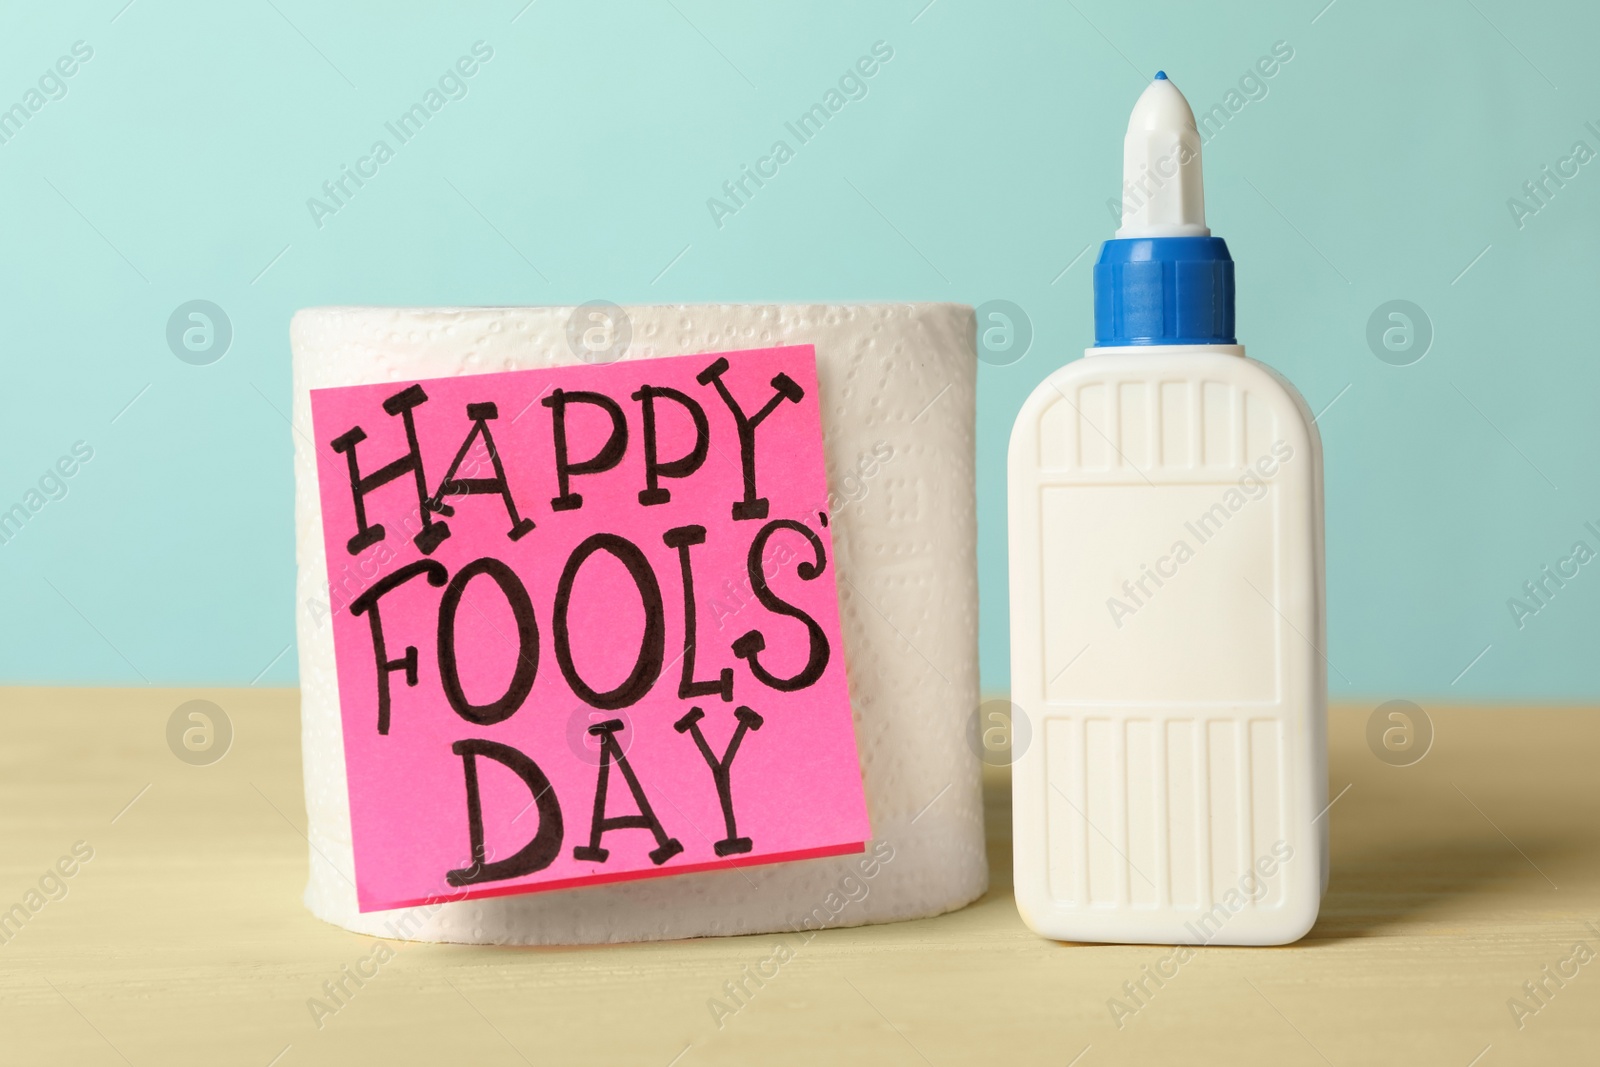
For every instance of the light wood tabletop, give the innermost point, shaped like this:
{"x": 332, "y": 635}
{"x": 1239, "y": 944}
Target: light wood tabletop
{"x": 179, "y": 937}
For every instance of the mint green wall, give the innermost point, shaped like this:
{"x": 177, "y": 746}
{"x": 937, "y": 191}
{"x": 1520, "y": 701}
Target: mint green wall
{"x": 1377, "y": 166}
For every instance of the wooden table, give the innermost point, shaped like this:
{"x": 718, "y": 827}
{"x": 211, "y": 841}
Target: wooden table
{"x": 183, "y": 940}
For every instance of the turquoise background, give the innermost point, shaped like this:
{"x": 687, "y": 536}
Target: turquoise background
{"x": 1378, "y": 166}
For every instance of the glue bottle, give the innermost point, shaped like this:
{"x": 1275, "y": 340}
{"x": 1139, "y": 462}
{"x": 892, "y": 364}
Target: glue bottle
{"x": 1167, "y": 602}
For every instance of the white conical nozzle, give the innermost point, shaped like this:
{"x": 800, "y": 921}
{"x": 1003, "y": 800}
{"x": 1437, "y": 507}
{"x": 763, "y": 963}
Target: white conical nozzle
{"x": 1162, "y": 194}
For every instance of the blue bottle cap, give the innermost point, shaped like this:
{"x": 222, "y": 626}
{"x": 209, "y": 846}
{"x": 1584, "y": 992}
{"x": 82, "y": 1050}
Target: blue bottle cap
{"x": 1163, "y": 291}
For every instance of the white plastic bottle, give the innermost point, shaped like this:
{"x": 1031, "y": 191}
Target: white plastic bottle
{"x": 1167, "y": 606}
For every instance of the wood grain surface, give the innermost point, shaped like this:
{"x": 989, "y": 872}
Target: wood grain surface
{"x": 1456, "y": 880}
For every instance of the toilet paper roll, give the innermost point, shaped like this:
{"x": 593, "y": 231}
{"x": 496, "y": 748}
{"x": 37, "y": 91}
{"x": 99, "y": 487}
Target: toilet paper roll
{"x": 897, "y": 388}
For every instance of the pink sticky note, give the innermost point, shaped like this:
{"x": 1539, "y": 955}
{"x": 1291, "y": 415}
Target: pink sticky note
{"x": 611, "y": 581}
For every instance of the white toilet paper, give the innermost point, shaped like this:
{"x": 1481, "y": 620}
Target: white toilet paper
{"x": 897, "y": 390}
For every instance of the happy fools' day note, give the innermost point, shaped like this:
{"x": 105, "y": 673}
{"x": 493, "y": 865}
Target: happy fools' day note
{"x": 586, "y": 625}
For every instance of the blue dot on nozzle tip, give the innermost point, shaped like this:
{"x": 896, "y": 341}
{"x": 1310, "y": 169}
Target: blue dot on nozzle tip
{"x": 1161, "y": 75}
